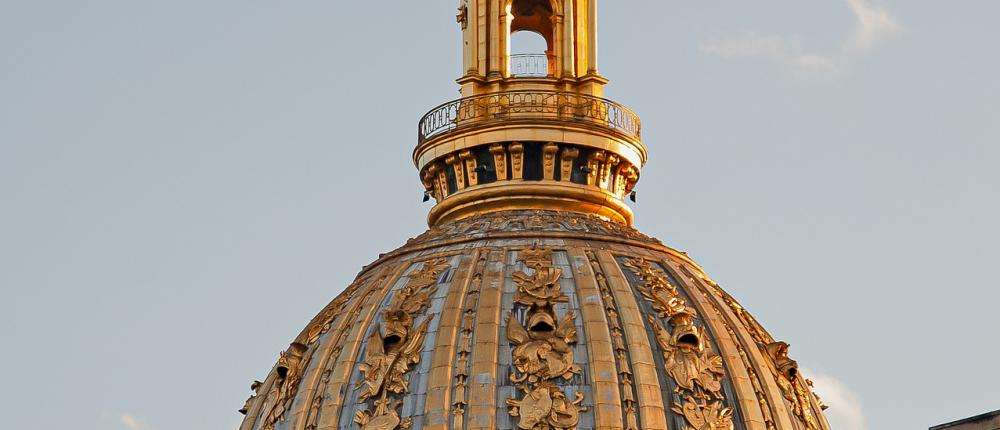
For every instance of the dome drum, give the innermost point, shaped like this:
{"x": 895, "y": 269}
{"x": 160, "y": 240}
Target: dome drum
{"x": 530, "y": 175}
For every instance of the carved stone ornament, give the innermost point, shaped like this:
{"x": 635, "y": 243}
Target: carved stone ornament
{"x": 702, "y": 415}
{"x": 255, "y": 387}
{"x": 687, "y": 361}
{"x": 540, "y": 289}
{"x": 694, "y": 368}
{"x": 321, "y": 324}
{"x": 394, "y": 348}
{"x": 462, "y": 17}
{"x": 545, "y": 406}
{"x": 550, "y": 221}
{"x": 543, "y": 353}
{"x": 291, "y": 365}
{"x": 793, "y": 387}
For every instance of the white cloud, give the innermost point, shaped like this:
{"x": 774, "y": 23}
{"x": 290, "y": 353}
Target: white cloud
{"x": 132, "y": 423}
{"x": 874, "y": 26}
{"x": 845, "y": 411}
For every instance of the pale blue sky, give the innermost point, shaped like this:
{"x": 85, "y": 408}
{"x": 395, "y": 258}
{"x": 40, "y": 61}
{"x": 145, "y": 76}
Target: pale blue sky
{"x": 184, "y": 184}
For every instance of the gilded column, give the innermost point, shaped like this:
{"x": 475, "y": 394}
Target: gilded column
{"x": 495, "y": 36}
{"x": 555, "y": 57}
{"x": 582, "y": 38}
{"x": 568, "y": 40}
{"x": 592, "y": 37}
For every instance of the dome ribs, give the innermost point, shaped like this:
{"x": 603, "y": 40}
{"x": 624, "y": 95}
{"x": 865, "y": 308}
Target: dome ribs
{"x": 342, "y": 366}
{"x": 482, "y": 393}
{"x": 448, "y": 345}
{"x": 652, "y": 413}
{"x": 338, "y": 316}
{"x": 597, "y": 325}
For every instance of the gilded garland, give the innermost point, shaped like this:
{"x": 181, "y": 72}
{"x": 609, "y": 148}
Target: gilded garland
{"x": 695, "y": 369}
{"x": 543, "y": 354}
{"x": 393, "y": 348}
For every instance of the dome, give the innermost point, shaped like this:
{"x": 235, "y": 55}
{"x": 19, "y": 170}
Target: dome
{"x": 531, "y": 302}
{"x": 534, "y": 320}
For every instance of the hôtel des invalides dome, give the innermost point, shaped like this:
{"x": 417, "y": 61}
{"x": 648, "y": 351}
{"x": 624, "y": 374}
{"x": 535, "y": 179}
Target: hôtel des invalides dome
{"x": 532, "y": 302}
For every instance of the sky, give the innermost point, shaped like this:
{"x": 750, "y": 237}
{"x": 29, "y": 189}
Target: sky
{"x": 184, "y": 184}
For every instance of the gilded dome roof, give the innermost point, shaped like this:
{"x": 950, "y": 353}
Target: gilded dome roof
{"x": 531, "y": 303}
{"x": 534, "y": 320}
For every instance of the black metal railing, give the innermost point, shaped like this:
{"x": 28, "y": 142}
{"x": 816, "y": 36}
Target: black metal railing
{"x": 529, "y": 65}
{"x": 528, "y": 106}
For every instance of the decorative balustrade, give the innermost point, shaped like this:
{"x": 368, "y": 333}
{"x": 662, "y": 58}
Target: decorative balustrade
{"x": 529, "y": 106}
{"x": 529, "y": 65}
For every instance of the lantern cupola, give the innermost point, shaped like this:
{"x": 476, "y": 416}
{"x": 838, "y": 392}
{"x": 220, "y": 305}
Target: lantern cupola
{"x": 532, "y": 130}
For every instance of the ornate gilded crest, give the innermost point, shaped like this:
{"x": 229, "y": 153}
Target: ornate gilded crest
{"x": 393, "y": 349}
{"x": 696, "y": 370}
{"x": 543, "y": 350}
{"x": 793, "y": 387}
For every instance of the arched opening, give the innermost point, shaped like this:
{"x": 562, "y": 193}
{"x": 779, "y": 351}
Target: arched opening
{"x": 528, "y": 54}
{"x": 531, "y": 47}
{"x": 527, "y": 42}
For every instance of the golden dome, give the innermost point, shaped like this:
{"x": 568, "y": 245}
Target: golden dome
{"x": 532, "y": 303}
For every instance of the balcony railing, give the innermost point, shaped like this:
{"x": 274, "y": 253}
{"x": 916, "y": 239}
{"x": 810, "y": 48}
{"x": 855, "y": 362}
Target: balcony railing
{"x": 529, "y": 65}
{"x": 529, "y": 107}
